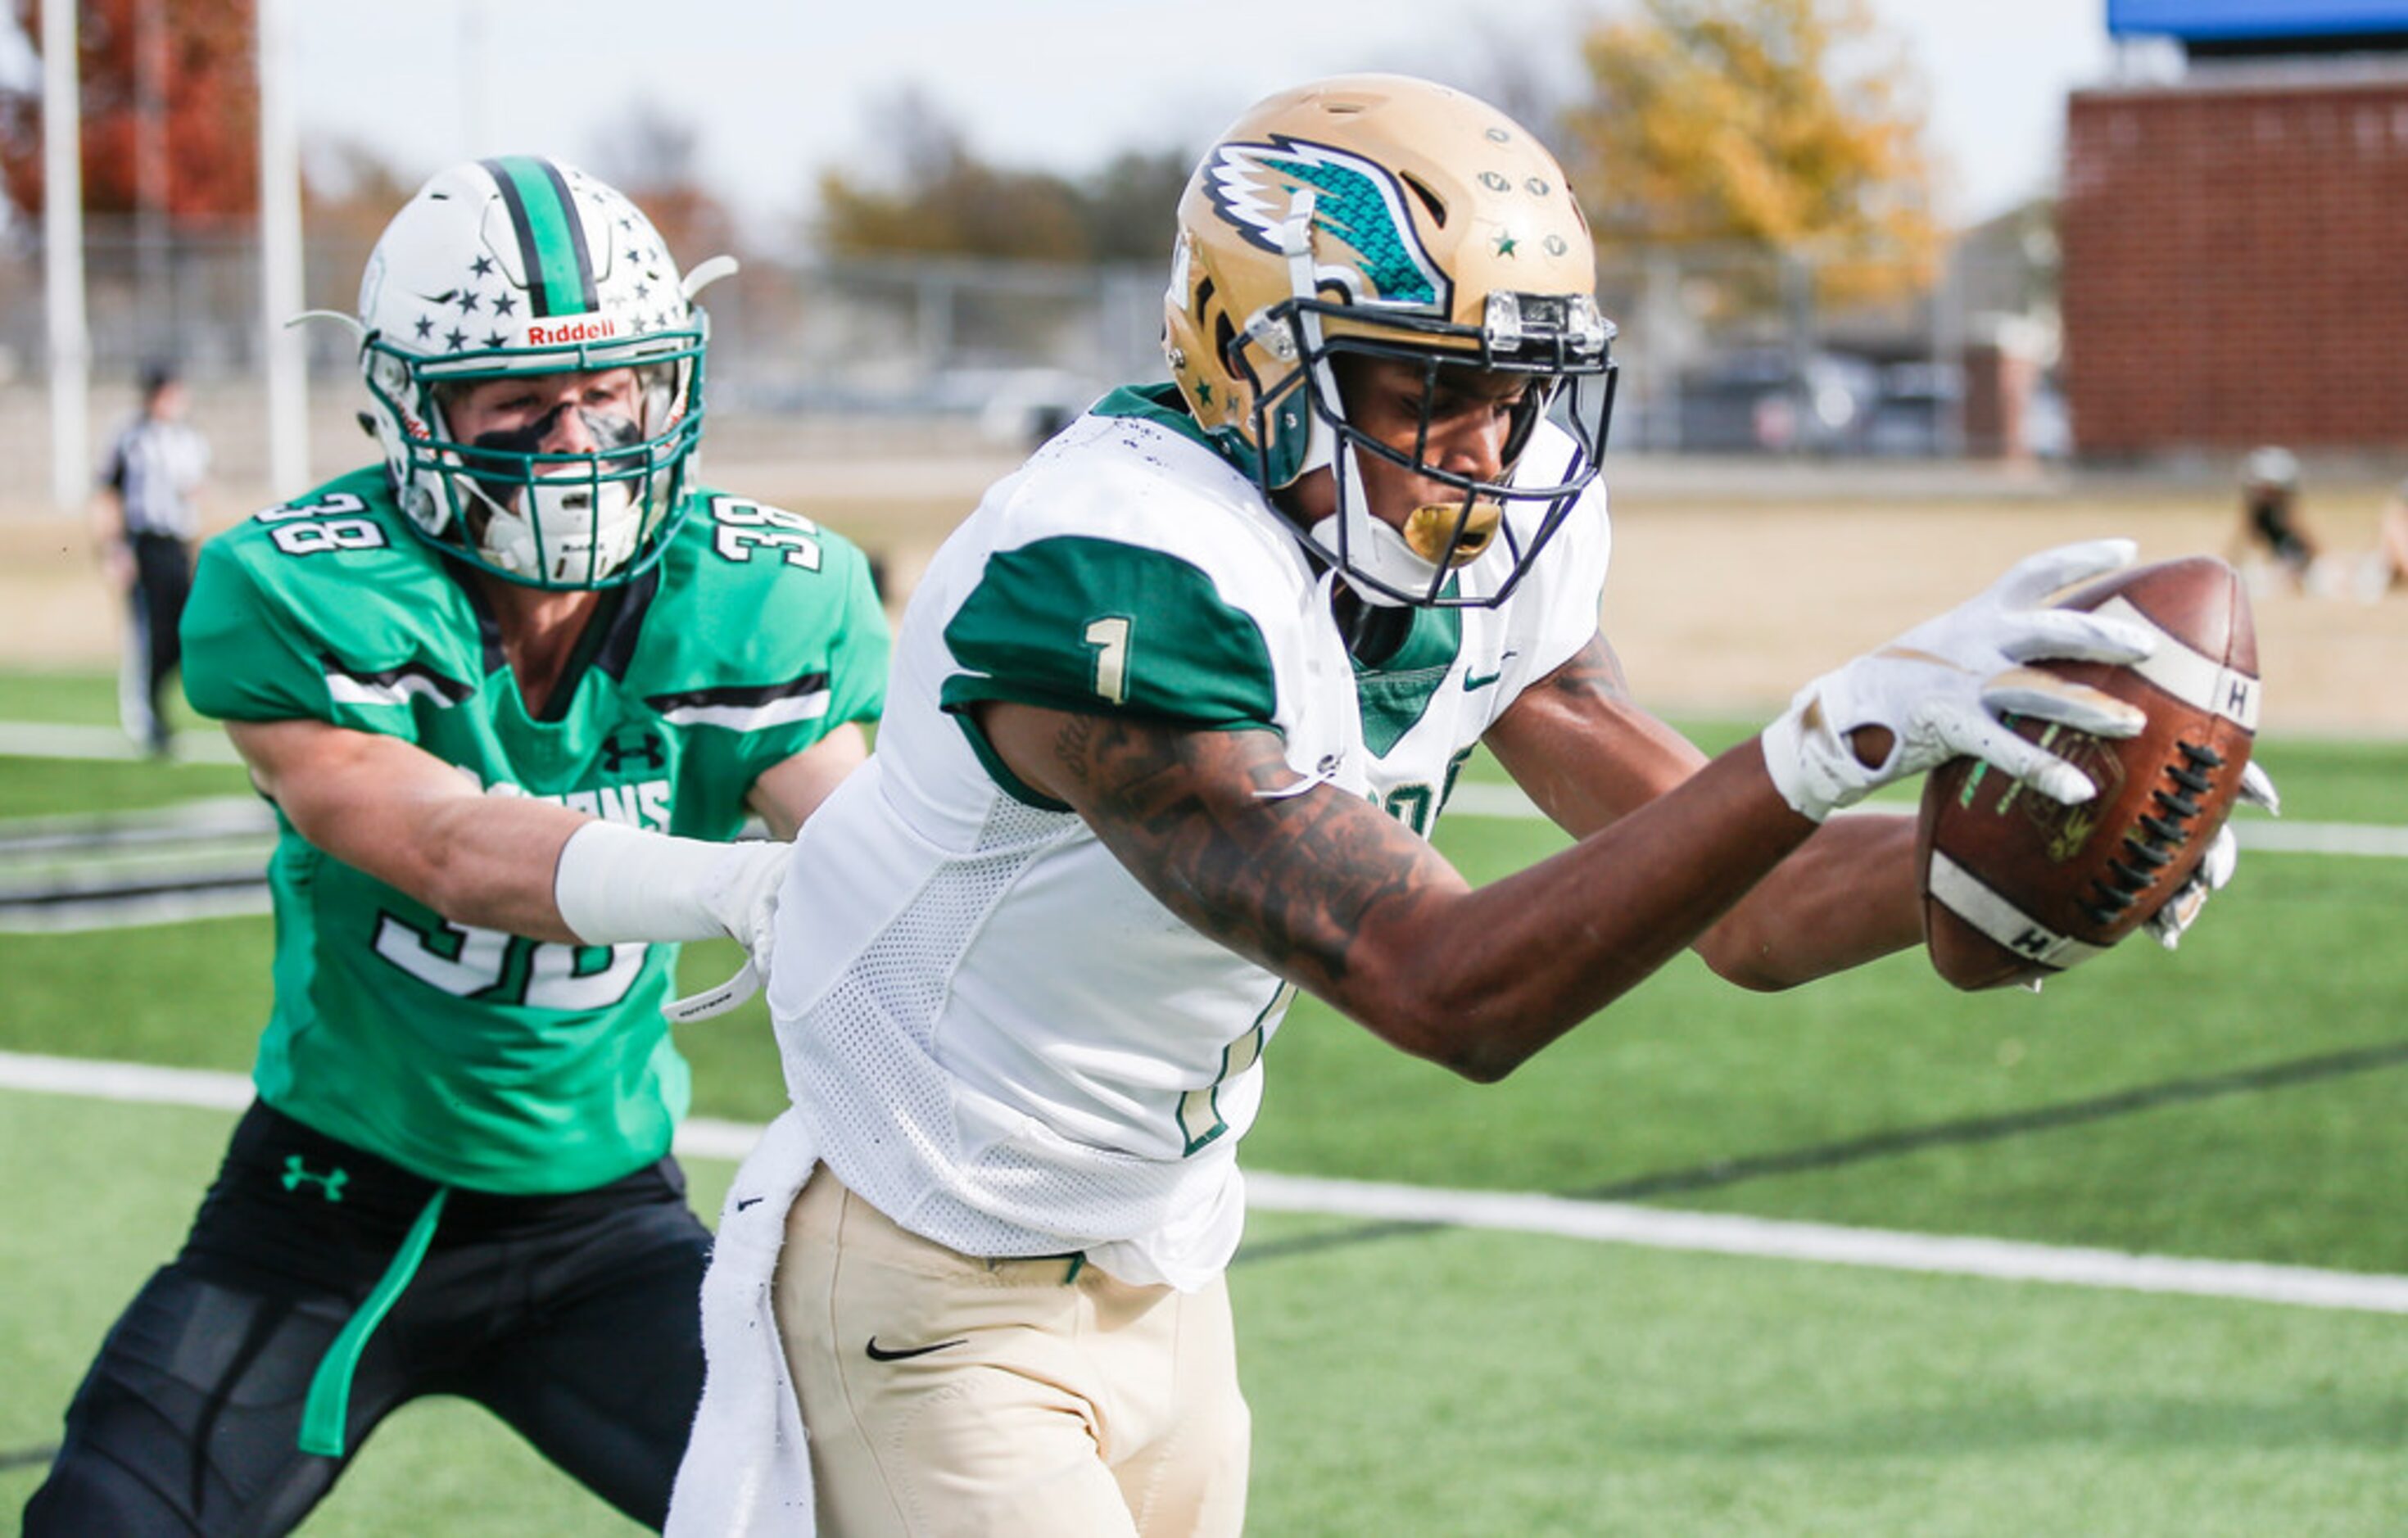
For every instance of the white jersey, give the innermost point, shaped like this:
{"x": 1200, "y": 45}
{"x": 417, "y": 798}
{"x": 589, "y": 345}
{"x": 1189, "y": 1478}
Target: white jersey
{"x": 999, "y": 1038}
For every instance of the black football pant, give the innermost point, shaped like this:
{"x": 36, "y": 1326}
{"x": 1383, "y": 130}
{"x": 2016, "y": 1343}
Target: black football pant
{"x": 162, "y": 581}
{"x": 575, "y": 1319}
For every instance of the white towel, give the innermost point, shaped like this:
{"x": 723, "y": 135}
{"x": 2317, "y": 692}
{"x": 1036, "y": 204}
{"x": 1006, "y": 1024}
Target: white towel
{"x": 748, "y": 1467}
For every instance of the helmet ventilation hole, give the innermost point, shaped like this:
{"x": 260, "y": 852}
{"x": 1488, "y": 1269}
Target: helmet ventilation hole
{"x": 1429, "y": 199}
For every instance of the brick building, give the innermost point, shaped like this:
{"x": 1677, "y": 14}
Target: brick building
{"x": 2236, "y": 259}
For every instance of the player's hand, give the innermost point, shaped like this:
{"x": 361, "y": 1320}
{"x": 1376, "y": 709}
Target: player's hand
{"x": 2182, "y": 910}
{"x": 1937, "y": 692}
{"x": 741, "y": 896}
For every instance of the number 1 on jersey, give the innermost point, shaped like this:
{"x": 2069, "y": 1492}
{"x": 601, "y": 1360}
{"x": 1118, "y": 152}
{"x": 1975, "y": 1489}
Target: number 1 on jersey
{"x": 1110, "y": 636}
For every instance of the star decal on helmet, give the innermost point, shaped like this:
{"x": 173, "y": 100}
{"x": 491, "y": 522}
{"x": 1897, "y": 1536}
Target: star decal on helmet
{"x": 504, "y": 302}
{"x": 1356, "y": 200}
{"x": 425, "y": 327}
{"x": 467, "y": 301}
{"x": 455, "y": 340}
{"x": 482, "y": 267}
{"x": 1507, "y": 244}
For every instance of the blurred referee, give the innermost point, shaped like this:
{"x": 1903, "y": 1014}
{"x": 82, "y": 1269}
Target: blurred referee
{"x": 146, "y": 527}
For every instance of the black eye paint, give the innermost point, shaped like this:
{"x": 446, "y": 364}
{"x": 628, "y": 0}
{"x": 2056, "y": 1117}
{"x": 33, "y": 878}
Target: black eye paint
{"x": 607, "y": 429}
{"x": 501, "y": 479}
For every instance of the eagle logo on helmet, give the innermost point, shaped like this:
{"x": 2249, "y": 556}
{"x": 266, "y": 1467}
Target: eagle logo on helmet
{"x": 1356, "y": 200}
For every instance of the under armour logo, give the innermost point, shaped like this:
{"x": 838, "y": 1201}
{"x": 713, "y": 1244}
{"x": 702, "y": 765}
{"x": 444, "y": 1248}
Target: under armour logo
{"x": 331, "y": 1183}
{"x": 647, "y": 748}
{"x": 2032, "y": 941}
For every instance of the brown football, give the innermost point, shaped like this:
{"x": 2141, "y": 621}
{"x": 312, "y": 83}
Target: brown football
{"x": 2017, "y": 886}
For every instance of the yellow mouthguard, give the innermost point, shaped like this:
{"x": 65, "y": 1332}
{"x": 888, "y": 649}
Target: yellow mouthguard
{"x": 1430, "y": 526}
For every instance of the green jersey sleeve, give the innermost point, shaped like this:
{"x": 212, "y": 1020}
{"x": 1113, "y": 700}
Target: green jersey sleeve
{"x": 1074, "y": 622}
{"x": 258, "y": 648}
{"x": 244, "y": 660}
{"x": 768, "y": 634}
{"x": 329, "y": 608}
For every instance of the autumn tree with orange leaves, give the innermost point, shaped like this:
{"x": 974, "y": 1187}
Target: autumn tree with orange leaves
{"x": 1792, "y": 126}
{"x": 202, "y": 58}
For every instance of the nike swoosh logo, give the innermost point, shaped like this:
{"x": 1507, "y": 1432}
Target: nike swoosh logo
{"x": 743, "y": 1203}
{"x": 879, "y": 1354}
{"x": 1472, "y": 680}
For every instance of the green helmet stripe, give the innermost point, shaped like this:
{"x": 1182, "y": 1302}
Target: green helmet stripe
{"x": 552, "y": 237}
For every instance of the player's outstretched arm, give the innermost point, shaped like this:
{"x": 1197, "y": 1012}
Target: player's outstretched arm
{"x": 1588, "y": 755}
{"x": 511, "y": 863}
{"x": 414, "y": 821}
{"x": 1332, "y": 894}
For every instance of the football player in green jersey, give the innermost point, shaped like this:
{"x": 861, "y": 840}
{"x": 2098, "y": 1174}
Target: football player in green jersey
{"x": 511, "y": 691}
{"x": 1171, "y": 714}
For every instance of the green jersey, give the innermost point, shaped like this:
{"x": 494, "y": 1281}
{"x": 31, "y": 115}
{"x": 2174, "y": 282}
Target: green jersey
{"x": 473, "y": 1057}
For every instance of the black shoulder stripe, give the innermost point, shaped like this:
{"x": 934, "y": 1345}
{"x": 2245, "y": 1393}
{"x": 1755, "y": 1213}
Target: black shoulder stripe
{"x": 390, "y": 685}
{"x": 739, "y": 695}
{"x": 740, "y": 708}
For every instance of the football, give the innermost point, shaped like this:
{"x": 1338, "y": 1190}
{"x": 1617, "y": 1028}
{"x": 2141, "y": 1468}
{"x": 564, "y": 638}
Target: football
{"x": 2018, "y": 888}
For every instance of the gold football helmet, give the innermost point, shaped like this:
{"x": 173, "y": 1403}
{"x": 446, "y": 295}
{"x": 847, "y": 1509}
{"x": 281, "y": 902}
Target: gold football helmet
{"x": 1381, "y": 215}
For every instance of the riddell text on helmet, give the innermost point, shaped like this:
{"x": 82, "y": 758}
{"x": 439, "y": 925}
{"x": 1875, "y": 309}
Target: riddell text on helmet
{"x": 589, "y": 329}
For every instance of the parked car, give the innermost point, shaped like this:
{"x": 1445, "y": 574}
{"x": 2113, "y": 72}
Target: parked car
{"x": 1764, "y": 399}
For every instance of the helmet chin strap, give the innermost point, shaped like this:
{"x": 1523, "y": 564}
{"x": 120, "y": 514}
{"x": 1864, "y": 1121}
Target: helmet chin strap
{"x": 1350, "y": 539}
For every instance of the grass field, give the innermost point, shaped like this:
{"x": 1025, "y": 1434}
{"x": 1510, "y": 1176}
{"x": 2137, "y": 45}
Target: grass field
{"x": 2239, "y": 1101}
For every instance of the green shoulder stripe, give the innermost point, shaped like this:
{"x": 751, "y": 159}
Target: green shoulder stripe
{"x": 1088, "y": 624}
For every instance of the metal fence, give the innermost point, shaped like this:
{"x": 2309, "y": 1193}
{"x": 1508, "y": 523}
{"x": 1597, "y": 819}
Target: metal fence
{"x": 1721, "y": 351}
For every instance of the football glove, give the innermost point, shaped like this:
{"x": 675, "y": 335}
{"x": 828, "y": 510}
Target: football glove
{"x": 2182, "y": 910}
{"x": 1939, "y": 689}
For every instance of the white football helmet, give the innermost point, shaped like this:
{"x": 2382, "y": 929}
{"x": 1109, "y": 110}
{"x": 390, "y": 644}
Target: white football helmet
{"x": 2271, "y": 469}
{"x": 521, "y": 265}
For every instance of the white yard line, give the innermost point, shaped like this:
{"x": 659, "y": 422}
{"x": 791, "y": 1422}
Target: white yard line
{"x": 1489, "y": 799}
{"x": 1650, "y": 1227}
{"x": 47, "y": 740}
{"x": 79, "y": 917}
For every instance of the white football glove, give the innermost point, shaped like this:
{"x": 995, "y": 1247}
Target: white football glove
{"x": 742, "y": 898}
{"x": 1939, "y": 689}
{"x": 615, "y": 884}
{"x": 2181, "y": 911}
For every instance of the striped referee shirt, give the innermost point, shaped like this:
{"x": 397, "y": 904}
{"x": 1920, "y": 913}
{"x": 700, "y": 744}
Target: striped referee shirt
{"x": 154, "y": 468}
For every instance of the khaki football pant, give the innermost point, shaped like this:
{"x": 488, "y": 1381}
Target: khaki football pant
{"x": 948, "y": 1395}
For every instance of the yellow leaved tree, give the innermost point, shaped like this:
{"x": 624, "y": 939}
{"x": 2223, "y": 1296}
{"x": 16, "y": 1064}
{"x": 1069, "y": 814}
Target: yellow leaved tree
{"x": 1788, "y": 126}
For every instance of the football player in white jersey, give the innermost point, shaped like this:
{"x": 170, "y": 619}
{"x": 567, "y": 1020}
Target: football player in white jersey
{"x": 1170, "y": 716}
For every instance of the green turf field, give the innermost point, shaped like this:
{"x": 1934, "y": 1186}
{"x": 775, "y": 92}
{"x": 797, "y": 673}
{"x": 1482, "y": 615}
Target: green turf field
{"x": 2238, "y": 1101}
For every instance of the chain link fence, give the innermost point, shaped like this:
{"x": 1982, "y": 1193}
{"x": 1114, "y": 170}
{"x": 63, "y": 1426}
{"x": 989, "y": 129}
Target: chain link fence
{"x": 1722, "y": 350}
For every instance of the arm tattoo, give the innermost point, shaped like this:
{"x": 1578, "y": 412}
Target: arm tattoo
{"x": 1286, "y": 881}
{"x": 1594, "y": 670}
